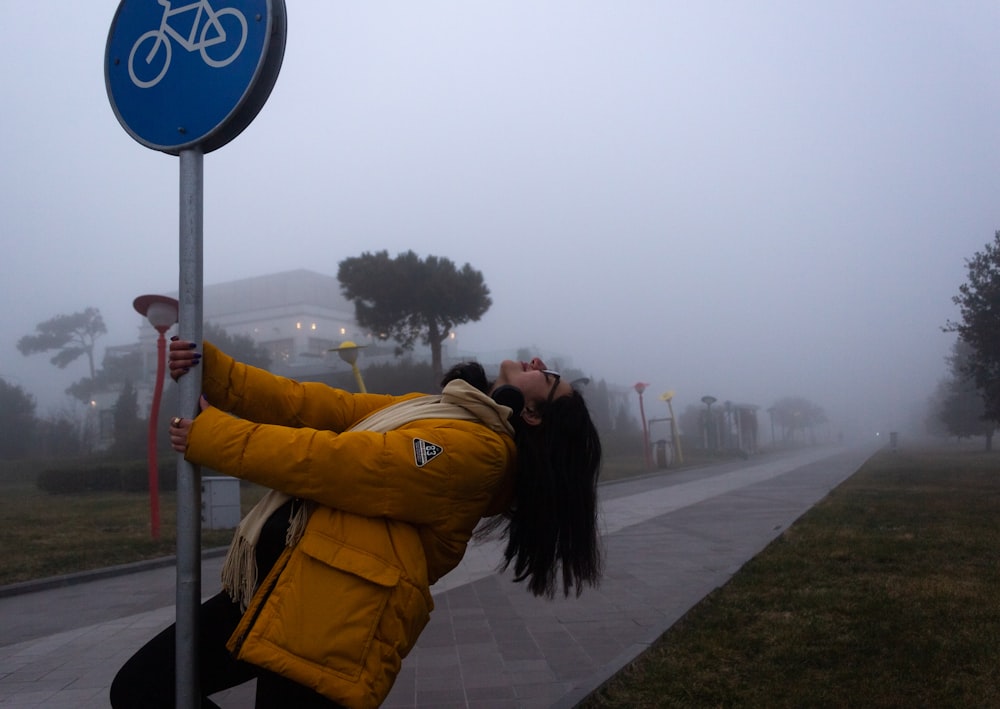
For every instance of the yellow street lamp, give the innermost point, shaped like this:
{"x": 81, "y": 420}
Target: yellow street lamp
{"x": 668, "y": 397}
{"x": 348, "y": 352}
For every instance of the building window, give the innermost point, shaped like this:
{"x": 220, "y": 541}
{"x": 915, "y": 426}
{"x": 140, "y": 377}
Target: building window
{"x": 318, "y": 346}
{"x": 280, "y": 350}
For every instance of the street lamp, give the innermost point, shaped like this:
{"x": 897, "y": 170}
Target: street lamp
{"x": 708, "y": 401}
{"x": 161, "y": 311}
{"x": 639, "y": 388}
{"x": 668, "y": 397}
{"x": 348, "y": 352}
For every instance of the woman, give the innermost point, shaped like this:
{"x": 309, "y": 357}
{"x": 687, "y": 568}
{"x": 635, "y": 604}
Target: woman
{"x": 374, "y": 498}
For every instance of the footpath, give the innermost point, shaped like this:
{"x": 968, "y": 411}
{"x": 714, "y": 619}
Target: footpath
{"x": 670, "y": 538}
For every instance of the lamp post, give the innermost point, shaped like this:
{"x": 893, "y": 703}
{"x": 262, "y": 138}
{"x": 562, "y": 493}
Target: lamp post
{"x": 348, "y": 352}
{"x": 668, "y": 397}
{"x": 639, "y": 388}
{"x": 161, "y": 311}
{"x": 708, "y": 401}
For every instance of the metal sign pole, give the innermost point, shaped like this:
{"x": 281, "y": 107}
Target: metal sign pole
{"x": 188, "y": 98}
{"x": 188, "y": 475}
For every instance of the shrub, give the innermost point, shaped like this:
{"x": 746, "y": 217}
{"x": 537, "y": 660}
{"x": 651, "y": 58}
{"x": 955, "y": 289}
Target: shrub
{"x": 69, "y": 480}
{"x": 132, "y": 477}
{"x": 135, "y": 476}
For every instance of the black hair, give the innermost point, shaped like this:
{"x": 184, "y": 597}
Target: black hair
{"x": 471, "y": 372}
{"x": 551, "y": 528}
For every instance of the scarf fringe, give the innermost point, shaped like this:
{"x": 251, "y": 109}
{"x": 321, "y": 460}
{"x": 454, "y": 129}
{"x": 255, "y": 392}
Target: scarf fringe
{"x": 239, "y": 571}
{"x": 297, "y": 524}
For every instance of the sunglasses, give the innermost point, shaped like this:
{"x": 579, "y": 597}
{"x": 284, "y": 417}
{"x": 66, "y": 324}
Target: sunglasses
{"x": 557, "y": 378}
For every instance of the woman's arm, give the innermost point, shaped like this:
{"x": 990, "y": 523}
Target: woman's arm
{"x": 421, "y": 473}
{"x": 257, "y": 395}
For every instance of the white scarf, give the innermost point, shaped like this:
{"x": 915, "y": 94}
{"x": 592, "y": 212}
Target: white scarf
{"x": 459, "y": 400}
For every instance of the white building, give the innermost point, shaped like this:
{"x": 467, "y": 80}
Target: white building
{"x": 297, "y": 316}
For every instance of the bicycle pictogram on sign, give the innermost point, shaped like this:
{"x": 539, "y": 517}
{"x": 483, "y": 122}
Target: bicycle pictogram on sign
{"x": 219, "y": 36}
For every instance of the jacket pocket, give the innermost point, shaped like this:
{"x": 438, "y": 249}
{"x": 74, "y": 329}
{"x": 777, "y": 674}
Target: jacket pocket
{"x": 327, "y": 606}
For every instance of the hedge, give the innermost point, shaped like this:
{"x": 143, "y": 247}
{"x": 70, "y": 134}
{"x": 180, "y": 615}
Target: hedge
{"x": 128, "y": 477}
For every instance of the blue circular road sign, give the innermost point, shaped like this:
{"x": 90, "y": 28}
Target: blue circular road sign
{"x": 186, "y": 73}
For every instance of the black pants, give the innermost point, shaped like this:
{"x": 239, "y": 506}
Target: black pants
{"x": 148, "y": 679}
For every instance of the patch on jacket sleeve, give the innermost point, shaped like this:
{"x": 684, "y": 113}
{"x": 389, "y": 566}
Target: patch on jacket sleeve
{"x": 424, "y": 452}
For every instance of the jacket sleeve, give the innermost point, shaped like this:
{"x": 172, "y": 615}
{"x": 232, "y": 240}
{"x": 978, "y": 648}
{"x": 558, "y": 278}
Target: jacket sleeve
{"x": 257, "y": 395}
{"x": 421, "y": 473}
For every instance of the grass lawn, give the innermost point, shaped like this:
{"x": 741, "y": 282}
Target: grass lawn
{"x": 886, "y": 594}
{"x": 49, "y": 535}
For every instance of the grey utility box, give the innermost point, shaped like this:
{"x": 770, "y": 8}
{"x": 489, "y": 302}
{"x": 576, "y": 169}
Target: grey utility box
{"x": 220, "y": 502}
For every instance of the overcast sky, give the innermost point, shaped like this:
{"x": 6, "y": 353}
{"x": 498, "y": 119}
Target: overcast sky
{"x": 743, "y": 199}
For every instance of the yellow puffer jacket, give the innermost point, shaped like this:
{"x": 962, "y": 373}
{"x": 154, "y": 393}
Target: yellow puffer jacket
{"x": 339, "y": 611}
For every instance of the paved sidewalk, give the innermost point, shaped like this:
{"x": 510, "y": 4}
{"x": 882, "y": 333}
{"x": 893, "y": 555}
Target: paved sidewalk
{"x": 670, "y": 539}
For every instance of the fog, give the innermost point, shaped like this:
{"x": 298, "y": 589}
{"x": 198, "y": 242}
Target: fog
{"x": 748, "y": 200}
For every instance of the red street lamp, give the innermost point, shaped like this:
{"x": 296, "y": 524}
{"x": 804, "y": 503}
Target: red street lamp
{"x": 161, "y": 311}
{"x": 639, "y": 388}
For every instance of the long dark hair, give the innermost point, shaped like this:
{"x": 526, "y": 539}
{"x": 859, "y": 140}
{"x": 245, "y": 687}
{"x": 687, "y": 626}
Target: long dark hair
{"x": 551, "y": 528}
